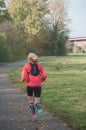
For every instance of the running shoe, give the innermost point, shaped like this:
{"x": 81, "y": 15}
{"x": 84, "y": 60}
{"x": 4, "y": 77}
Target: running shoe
{"x": 34, "y": 117}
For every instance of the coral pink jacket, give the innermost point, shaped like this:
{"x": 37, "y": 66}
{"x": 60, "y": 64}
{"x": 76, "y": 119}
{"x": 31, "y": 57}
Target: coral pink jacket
{"x": 33, "y": 81}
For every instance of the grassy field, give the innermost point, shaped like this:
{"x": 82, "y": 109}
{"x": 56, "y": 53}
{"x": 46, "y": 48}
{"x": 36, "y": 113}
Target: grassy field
{"x": 64, "y": 92}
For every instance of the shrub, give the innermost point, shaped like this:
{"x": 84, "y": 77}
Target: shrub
{"x": 5, "y": 50}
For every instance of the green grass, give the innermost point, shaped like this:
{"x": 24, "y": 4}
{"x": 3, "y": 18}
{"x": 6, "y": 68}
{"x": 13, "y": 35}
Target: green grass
{"x": 64, "y": 92}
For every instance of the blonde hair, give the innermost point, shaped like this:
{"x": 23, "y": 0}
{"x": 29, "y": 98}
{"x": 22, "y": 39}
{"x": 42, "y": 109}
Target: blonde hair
{"x": 32, "y": 58}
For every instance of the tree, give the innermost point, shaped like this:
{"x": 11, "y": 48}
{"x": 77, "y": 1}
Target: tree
{"x": 5, "y": 50}
{"x": 58, "y": 13}
{"x": 14, "y": 37}
{"x": 58, "y": 39}
{"x": 3, "y": 11}
{"x": 27, "y": 15}
{"x": 58, "y": 26}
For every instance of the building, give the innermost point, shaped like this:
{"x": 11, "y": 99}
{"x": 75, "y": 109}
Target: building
{"x": 77, "y": 44}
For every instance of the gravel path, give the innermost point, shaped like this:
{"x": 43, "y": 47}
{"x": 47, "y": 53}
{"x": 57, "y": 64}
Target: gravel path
{"x": 14, "y": 111}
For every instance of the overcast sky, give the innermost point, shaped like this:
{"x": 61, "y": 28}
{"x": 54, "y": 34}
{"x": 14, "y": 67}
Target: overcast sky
{"x": 77, "y": 14}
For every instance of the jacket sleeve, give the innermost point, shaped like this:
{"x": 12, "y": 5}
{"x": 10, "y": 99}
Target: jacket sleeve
{"x": 43, "y": 74}
{"x": 23, "y": 74}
